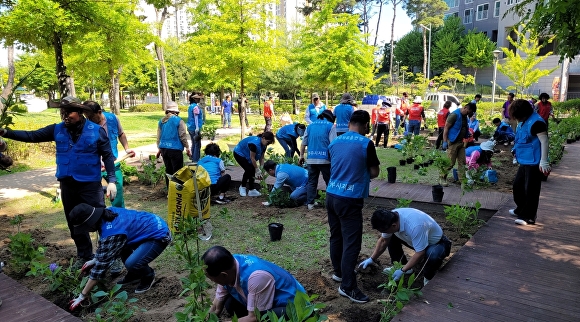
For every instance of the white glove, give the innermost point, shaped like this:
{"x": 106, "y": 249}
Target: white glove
{"x": 88, "y": 265}
{"x": 364, "y": 264}
{"x": 515, "y": 161}
{"x": 76, "y": 302}
{"x": 545, "y": 167}
{"x": 111, "y": 190}
{"x": 265, "y": 203}
{"x": 259, "y": 174}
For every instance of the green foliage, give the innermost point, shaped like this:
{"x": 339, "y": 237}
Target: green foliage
{"x": 400, "y": 293}
{"x": 118, "y": 307}
{"x": 403, "y": 203}
{"x": 23, "y": 252}
{"x": 60, "y": 279}
{"x": 8, "y": 104}
{"x": 442, "y": 163}
{"x": 463, "y": 218}
{"x": 452, "y": 75}
{"x": 128, "y": 171}
{"x": 300, "y": 310}
{"x": 228, "y": 158}
{"x": 409, "y": 50}
{"x": 478, "y": 51}
{"x": 150, "y": 174}
{"x": 281, "y": 198}
{"x": 146, "y": 108}
{"x": 209, "y": 132}
{"x": 447, "y": 41}
{"x": 569, "y": 106}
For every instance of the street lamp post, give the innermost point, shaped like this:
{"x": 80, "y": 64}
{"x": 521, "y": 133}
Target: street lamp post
{"x": 429, "y": 54}
{"x": 495, "y": 59}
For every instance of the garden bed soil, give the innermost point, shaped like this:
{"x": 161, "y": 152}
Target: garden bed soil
{"x": 162, "y": 301}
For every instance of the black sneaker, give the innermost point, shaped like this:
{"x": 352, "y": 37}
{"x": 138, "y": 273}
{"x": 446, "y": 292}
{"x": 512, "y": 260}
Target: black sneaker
{"x": 145, "y": 285}
{"x": 355, "y": 295}
{"x": 222, "y": 201}
{"x": 128, "y": 280}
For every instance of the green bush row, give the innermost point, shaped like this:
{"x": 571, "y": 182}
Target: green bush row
{"x": 148, "y": 108}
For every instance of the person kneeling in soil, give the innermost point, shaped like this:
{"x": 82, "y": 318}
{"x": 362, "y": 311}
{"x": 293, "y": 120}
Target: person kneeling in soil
{"x": 292, "y": 175}
{"x": 414, "y": 229}
{"x": 220, "y": 181}
{"x": 265, "y": 286}
{"x": 137, "y": 237}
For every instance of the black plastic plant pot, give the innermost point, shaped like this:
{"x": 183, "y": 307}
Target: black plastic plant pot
{"x": 275, "y": 230}
{"x": 392, "y": 174}
{"x": 402, "y": 162}
{"x": 437, "y": 193}
{"x": 569, "y": 141}
{"x": 410, "y": 160}
{"x": 426, "y": 164}
{"x": 416, "y": 166}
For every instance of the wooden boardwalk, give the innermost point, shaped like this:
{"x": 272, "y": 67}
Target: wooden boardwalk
{"x": 20, "y": 304}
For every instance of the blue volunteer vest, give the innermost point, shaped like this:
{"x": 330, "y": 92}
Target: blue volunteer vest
{"x": 170, "y": 134}
{"x": 505, "y": 128}
{"x": 191, "y": 118}
{"x": 343, "y": 112}
{"x": 349, "y": 174}
{"x": 470, "y": 150}
{"x": 297, "y": 176}
{"x": 112, "y": 131}
{"x": 456, "y": 128}
{"x": 211, "y": 164}
{"x": 527, "y": 146}
{"x": 313, "y": 113}
{"x": 136, "y": 225}
{"x": 286, "y": 285}
{"x": 242, "y": 148}
{"x": 318, "y": 139}
{"x": 80, "y": 160}
{"x": 287, "y": 132}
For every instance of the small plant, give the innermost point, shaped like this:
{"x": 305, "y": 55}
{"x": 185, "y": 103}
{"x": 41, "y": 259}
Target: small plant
{"x": 16, "y": 221}
{"x": 210, "y": 132}
{"x": 228, "y": 158}
{"x": 281, "y": 199}
{"x": 403, "y": 203}
{"x": 463, "y": 218}
{"x": 443, "y": 164}
{"x": 128, "y": 171}
{"x": 22, "y": 249}
{"x": 399, "y": 293}
{"x": 150, "y": 175}
{"x": 300, "y": 310}
{"x": 322, "y": 198}
{"x": 118, "y": 306}
{"x": 63, "y": 280}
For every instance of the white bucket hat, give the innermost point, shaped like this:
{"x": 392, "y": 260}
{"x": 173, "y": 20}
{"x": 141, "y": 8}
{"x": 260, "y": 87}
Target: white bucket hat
{"x": 487, "y": 145}
{"x": 418, "y": 99}
{"x": 172, "y": 107}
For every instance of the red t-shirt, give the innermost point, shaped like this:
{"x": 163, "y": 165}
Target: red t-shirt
{"x": 267, "y": 109}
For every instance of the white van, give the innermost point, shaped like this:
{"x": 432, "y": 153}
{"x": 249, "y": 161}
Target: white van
{"x": 437, "y": 101}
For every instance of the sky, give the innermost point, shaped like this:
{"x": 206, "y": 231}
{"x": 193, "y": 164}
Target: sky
{"x": 402, "y": 26}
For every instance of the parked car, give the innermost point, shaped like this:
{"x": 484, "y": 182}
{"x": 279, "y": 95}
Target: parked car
{"x": 438, "y": 99}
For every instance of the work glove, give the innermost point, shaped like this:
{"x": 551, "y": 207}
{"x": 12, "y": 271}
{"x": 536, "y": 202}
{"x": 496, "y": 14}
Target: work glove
{"x": 364, "y": 264}
{"x": 76, "y": 302}
{"x": 445, "y": 146}
{"x": 111, "y": 190}
{"x": 88, "y": 265}
{"x": 259, "y": 174}
{"x": 398, "y": 274}
{"x": 130, "y": 152}
{"x": 266, "y": 203}
{"x": 545, "y": 167}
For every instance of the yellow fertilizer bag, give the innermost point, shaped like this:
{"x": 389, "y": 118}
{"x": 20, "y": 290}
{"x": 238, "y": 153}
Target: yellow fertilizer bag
{"x": 182, "y": 199}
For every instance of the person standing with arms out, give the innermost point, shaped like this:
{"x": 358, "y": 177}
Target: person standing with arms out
{"x": 415, "y": 114}
{"x": 80, "y": 147}
{"x": 531, "y": 151}
{"x": 383, "y": 123}
{"x": 545, "y": 109}
{"x": 353, "y": 163}
{"x": 248, "y": 153}
{"x": 456, "y": 130}
{"x": 317, "y": 138}
{"x": 171, "y": 139}
{"x": 227, "y": 107}
{"x": 194, "y": 125}
{"x": 220, "y": 181}
{"x": 314, "y": 110}
{"x": 343, "y": 112}
{"x": 441, "y": 118}
{"x": 506, "y": 113}
{"x": 268, "y": 113}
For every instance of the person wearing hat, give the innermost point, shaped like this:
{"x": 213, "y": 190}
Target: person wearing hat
{"x": 317, "y": 138}
{"x": 455, "y": 132}
{"x": 171, "y": 140}
{"x": 343, "y": 112}
{"x": 415, "y": 229}
{"x": 479, "y": 155}
{"x": 195, "y": 119}
{"x": 544, "y": 108}
{"x": 80, "y": 146}
{"x": 314, "y": 110}
{"x": 287, "y": 136}
{"x": 137, "y": 237}
{"x": 112, "y": 125}
{"x": 415, "y": 113}
{"x": 268, "y": 113}
{"x": 383, "y": 122}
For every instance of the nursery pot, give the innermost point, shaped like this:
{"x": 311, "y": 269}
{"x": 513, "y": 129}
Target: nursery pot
{"x": 416, "y": 166}
{"x": 392, "y": 174}
{"x": 569, "y": 141}
{"x": 426, "y": 164}
{"x": 402, "y": 162}
{"x": 275, "y": 230}
{"x": 437, "y": 192}
{"x": 410, "y": 160}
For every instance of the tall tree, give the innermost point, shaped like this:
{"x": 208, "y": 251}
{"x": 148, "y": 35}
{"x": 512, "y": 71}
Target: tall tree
{"x": 447, "y": 41}
{"x": 409, "y": 50}
{"x": 8, "y": 87}
{"x": 428, "y": 13}
{"x": 42, "y": 81}
{"x": 478, "y": 51}
{"x": 520, "y": 70}
{"x": 395, "y": 3}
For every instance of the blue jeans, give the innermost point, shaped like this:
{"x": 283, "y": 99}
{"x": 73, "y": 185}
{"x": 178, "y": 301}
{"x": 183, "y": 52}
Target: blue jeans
{"x": 414, "y": 127}
{"x": 195, "y": 146}
{"x": 227, "y": 119}
{"x": 314, "y": 171}
{"x": 434, "y": 254}
{"x": 299, "y": 195}
{"x": 137, "y": 257}
{"x": 289, "y": 145}
{"x": 397, "y": 124}
{"x": 346, "y": 226}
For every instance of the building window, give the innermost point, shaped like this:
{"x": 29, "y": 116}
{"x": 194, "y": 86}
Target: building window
{"x": 452, "y": 3}
{"x": 510, "y": 2}
{"x": 468, "y": 16}
{"x": 496, "y": 8}
{"x": 454, "y": 14}
{"x": 482, "y": 10}
{"x": 468, "y": 1}
{"x": 494, "y": 36}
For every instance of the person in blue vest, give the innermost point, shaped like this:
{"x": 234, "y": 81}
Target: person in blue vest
{"x": 343, "y": 112}
{"x": 314, "y": 109}
{"x": 474, "y": 127}
{"x": 247, "y": 283}
{"x": 317, "y": 138}
{"x": 80, "y": 147}
{"x": 214, "y": 165}
{"x": 353, "y": 163}
{"x": 287, "y": 136}
{"x": 137, "y": 237}
{"x": 455, "y": 133}
{"x": 195, "y": 121}
{"x": 291, "y": 175}
{"x": 478, "y": 155}
{"x": 249, "y": 153}
{"x": 227, "y": 108}
{"x": 503, "y": 133}
{"x": 531, "y": 152}
{"x": 171, "y": 140}
{"x": 112, "y": 125}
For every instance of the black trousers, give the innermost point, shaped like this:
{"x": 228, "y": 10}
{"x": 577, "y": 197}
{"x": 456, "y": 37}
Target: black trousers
{"x": 249, "y": 171}
{"x": 222, "y": 185}
{"x": 526, "y": 192}
{"x": 382, "y": 128}
{"x": 173, "y": 160}
{"x": 72, "y": 193}
{"x": 439, "y": 138}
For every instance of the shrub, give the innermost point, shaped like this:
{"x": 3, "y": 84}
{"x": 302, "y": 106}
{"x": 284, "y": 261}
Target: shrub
{"x": 568, "y": 106}
{"x": 146, "y": 108}
{"x": 463, "y": 218}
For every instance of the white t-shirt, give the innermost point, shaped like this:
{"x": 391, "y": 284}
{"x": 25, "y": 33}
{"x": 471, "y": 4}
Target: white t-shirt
{"x": 417, "y": 229}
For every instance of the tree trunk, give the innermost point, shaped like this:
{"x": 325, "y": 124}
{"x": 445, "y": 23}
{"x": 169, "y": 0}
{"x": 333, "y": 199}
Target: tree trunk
{"x": 394, "y": 2}
{"x": 378, "y": 21}
{"x": 563, "y": 94}
{"x": 63, "y": 85}
{"x": 474, "y": 78}
{"x": 159, "y": 51}
{"x": 114, "y": 90}
{"x": 242, "y": 105}
{"x": 11, "y": 72}
{"x": 424, "y": 53}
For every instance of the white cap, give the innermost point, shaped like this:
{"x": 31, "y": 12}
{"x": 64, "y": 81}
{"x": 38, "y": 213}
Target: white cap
{"x": 172, "y": 107}
{"x": 487, "y": 145}
{"x": 418, "y": 99}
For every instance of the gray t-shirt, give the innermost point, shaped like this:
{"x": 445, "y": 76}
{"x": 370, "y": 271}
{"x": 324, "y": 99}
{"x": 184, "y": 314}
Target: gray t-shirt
{"x": 417, "y": 229}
